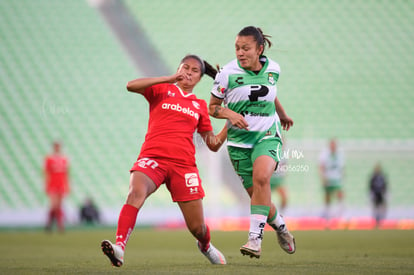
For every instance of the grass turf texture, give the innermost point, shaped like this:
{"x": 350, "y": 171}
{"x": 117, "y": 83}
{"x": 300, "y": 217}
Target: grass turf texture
{"x": 174, "y": 252}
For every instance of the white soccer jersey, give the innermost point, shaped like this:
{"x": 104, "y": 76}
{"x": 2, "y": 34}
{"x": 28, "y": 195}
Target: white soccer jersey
{"x": 251, "y": 95}
{"x": 333, "y": 164}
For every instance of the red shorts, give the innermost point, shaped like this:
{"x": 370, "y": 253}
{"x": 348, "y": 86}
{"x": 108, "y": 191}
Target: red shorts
{"x": 183, "y": 182}
{"x": 57, "y": 189}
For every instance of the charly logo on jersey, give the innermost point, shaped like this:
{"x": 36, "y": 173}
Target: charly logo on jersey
{"x": 239, "y": 80}
{"x": 196, "y": 104}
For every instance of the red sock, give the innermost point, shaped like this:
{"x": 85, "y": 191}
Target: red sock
{"x": 205, "y": 241}
{"x": 51, "y": 217}
{"x": 126, "y": 224}
{"x": 59, "y": 218}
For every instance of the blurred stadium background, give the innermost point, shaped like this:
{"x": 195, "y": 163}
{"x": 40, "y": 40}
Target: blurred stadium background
{"x": 347, "y": 72}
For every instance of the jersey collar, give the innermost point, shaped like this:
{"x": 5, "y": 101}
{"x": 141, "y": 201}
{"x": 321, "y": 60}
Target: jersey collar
{"x": 262, "y": 58}
{"x": 182, "y": 92}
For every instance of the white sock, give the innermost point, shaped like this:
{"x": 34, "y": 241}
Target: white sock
{"x": 257, "y": 224}
{"x": 278, "y": 223}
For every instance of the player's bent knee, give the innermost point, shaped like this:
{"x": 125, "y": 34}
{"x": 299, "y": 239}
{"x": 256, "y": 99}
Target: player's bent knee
{"x": 261, "y": 181}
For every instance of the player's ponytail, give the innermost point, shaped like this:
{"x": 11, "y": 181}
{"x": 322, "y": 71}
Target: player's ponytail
{"x": 265, "y": 39}
{"x": 210, "y": 70}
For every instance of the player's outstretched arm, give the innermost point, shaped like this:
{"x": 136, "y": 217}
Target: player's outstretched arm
{"x": 140, "y": 84}
{"x": 214, "y": 142}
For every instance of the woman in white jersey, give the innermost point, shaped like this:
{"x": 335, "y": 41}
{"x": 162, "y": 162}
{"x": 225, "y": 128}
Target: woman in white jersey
{"x": 247, "y": 87}
{"x": 331, "y": 168}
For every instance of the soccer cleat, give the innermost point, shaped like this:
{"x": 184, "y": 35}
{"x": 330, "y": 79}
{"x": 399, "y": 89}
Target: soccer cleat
{"x": 113, "y": 252}
{"x": 252, "y": 248}
{"x": 213, "y": 254}
{"x": 286, "y": 240}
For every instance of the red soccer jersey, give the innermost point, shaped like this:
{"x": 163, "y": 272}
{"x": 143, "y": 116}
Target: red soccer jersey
{"x": 174, "y": 117}
{"x": 56, "y": 169}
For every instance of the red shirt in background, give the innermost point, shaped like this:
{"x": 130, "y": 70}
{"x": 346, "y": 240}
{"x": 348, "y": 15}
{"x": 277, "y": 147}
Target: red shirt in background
{"x": 56, "y": 170}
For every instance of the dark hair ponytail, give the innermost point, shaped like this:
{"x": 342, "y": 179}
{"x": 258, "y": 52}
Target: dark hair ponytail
{"x": 259, "y": 37}
{"x": 210, "y": 70}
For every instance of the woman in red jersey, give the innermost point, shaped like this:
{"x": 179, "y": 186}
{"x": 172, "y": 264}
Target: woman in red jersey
{"x": 56, "y": 167}
{"x": 168, "y": 154}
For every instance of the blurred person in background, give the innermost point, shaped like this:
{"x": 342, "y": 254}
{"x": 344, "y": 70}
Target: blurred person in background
{"x": 247, "y": 87}
{"x": 378, "y": 191}
{"x": 331, "y": 170}
{"x": 168, "y": 154}
{"x": 56, "y": 175}
{"x": 88, "y": 212}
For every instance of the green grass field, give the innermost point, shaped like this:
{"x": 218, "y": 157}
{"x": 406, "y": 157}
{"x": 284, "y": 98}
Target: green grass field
{"x": 174, "y": 252}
